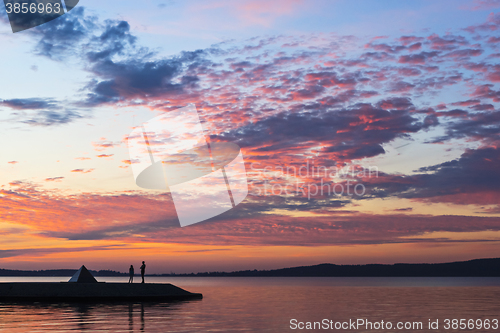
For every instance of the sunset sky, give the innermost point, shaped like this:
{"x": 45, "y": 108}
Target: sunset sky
{"x": 398, "y": 98}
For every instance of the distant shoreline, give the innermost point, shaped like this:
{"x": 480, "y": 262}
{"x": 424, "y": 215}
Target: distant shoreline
{"x": 470, "y": 268}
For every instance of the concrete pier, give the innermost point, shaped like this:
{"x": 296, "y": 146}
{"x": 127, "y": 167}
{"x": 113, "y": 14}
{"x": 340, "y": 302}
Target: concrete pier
{"x": 98, "y": 292}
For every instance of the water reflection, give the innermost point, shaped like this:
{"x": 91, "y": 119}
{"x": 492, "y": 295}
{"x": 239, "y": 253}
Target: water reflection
{"x": 130, "y": 316}
{"x": 142, "y": 317}
{"x": 131, "y": 311}
{"x": 268, "y": 304}
{"x": 83, "y": 313}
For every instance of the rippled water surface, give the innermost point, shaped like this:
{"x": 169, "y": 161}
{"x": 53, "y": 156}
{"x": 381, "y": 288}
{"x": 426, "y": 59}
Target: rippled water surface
{"x": 269, "y": 304}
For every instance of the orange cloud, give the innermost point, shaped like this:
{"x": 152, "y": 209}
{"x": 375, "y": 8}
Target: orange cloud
{"x": 82, "y": 170}
{"x": 130, "y": 161}
{"x": 104, "y": 144}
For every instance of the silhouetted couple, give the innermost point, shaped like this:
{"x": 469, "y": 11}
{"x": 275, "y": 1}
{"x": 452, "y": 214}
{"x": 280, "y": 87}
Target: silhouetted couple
{"x": 131, "y": 272}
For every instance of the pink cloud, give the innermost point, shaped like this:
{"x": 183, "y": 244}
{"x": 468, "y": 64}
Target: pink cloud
{"x": 405, "y": 40}
{"x": 492, "y": 24}
{"x": 482, "y": 5}
{"x": 417, "y": 59}
{"x": 82, "y": 170}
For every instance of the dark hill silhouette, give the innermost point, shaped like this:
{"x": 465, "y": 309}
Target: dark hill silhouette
{"x": 472, "y": 268}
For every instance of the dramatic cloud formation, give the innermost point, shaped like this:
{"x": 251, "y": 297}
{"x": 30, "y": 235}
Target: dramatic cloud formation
{"x": 310, "y": 98}
{"x": 146, "y": 217}
{"x": 292, "y": 103}
{"x": 471, "y": 179}
{"x": 53, "y": 214}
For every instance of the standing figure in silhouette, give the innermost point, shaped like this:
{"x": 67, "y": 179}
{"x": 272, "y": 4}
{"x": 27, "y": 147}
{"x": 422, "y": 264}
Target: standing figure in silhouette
{"x": 131, "y": 273}
{"x": 143, "y": 270}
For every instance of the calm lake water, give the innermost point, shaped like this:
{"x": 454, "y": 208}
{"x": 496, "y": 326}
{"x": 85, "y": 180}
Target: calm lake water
{"x": 269, "y": 305}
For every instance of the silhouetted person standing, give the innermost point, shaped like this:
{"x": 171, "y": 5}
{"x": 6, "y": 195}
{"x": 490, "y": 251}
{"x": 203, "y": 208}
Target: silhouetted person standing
{"x": 131, "y": 273}
{"x": 143, "y": 270}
